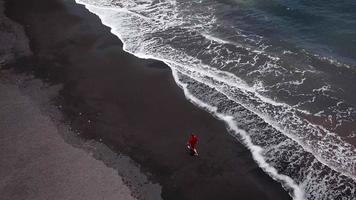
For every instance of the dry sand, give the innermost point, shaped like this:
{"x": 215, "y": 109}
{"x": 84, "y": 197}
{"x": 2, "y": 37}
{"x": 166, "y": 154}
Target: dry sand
{"x": 37, "y": 163}
{"x": 41, "y": 157}
{"x": 134, "y": 107}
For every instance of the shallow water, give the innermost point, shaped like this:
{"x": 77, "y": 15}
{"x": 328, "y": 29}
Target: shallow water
{"x": 279, "y": 73}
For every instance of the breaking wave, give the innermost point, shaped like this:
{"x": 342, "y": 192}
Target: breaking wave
{"x": 276, "y": 100}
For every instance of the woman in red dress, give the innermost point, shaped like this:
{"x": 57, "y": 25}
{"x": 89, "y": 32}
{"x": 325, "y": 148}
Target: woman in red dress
{"x": 191, "y": 144}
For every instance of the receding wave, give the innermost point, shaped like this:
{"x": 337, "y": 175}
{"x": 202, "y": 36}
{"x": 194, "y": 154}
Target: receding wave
{"x": 271, "y": 97}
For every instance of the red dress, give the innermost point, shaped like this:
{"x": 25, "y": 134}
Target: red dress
{"x": 192, "y": 142}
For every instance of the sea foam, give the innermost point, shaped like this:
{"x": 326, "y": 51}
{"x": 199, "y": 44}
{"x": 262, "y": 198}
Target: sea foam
{"x": 271, "y": 129}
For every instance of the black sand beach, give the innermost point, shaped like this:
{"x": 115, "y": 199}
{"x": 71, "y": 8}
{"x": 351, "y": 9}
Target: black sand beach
{"x": 134, "y": 106}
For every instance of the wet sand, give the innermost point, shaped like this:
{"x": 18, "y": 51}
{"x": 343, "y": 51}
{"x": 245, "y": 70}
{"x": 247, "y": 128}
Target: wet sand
{"x": 134, "y": 106}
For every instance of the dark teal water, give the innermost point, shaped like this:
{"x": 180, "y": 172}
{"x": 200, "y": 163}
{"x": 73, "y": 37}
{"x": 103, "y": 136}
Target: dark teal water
{"x": 325, "y": 27}
{"x": 280, "y": 73}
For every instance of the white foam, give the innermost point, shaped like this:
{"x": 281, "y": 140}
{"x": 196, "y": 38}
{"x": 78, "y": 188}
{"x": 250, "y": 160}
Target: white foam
{"x": 225, "y": 82}
{"x": 216, "y": 39}
{"x": 270, "y": 120}
{"x": 224, "y": 77}
{"x": 255, "y": 150}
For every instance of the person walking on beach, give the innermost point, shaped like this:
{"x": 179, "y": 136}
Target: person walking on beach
{"x": 191, "y": 144}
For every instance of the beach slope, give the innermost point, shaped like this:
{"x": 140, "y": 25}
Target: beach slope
{"x": 134, "y": 106}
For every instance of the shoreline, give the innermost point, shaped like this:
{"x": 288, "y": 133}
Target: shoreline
{"x": 101, "y": 90}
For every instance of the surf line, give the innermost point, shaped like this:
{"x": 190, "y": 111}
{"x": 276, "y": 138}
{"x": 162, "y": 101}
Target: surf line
{"x": 254, "y": 149}
{"x": 106, "y": 21}
{"x": 92, "y": 8}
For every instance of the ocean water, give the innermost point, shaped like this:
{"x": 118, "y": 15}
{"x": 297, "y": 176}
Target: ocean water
{"x": 280, "y": 73}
